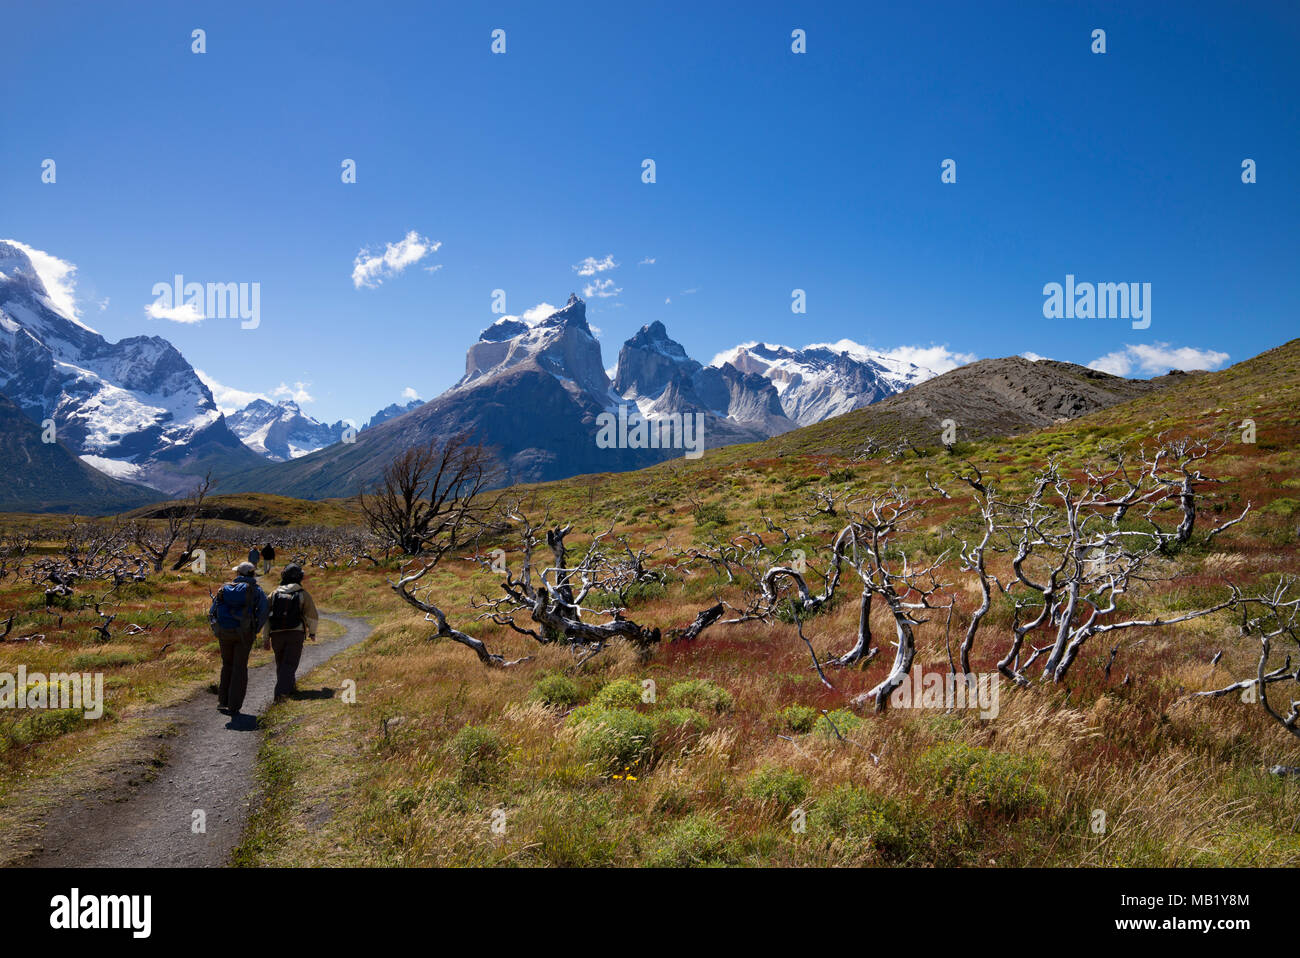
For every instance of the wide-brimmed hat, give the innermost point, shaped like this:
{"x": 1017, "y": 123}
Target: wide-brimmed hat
{"x": 245, "y": 568}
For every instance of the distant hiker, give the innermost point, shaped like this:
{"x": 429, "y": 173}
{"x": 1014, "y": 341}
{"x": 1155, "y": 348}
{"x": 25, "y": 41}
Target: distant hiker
{"x": 237, "y": 614}
{"x": 254, "y": 556}
{"x": 292, "y": 621}
{"x": 268, "y": 556}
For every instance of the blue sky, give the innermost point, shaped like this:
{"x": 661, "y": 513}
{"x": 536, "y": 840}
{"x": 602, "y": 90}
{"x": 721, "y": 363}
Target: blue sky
{"x": 775, "y": 171}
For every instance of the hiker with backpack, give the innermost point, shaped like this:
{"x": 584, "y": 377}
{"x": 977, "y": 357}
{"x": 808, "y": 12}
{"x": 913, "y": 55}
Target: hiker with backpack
{"x": 254, "y": 556}
{"x": 268, "y": 556}
{"x": 238, "y": 612}
{"x": 292, "y": 620}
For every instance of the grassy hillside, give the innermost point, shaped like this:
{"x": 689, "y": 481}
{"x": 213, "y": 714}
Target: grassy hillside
{"x": 263, "y": 509}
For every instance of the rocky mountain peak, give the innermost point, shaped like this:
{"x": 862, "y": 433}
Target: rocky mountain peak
{"x": 573, "y": 313}
{"x": 648, "y": 362}
{"x": 16, "y": 269}
{"x": 561, "y": 344}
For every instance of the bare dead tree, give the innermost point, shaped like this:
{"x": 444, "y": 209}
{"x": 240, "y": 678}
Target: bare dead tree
{"x": 973, "y": 558}
{"x": 182, "y": 520}
{"x": 552, "y": 599}
{"x": 432, "y": 497}
{"x": 14, "y": 547}
{"x": 1079, "y": 547}
{"x": 886, "y": 573}
{"x": 935, "y": 487}
{"x": 1274, "y": 619}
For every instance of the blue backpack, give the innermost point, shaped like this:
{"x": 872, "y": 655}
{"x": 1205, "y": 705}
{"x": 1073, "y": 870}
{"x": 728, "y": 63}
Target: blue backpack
{"x": 233, "y": 614}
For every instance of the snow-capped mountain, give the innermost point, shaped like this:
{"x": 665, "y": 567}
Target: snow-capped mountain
{"x": 825, "y": 379}
{"x": 655, "y": 372}
{"x": 134, "y": 409}
{"x": 535, "y": 389}
{"x": 392, "y": 412}
{"x": 561, "y": 344}
{"x": 281, "y": 431}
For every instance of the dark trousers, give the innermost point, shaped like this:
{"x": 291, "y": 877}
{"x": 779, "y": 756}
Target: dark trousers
{"x": 287, "y": 647}
{"x": 234, "y": 672}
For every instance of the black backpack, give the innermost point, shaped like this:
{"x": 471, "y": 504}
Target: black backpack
{"x": 286, "y": 611}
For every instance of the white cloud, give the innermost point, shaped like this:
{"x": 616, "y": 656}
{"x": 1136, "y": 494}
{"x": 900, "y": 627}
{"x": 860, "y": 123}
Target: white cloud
{"x": 537, "y": 313}
{"x": 648, "y": 261}
{"x": 409, "y": 393}
{"x": 103, "y": 304}
{"x": 228, "y": 398}
{"x": 532, "y": 316}
{"x": 667, "y": 300}
{"x": 1032, "y": 356}
{"x": 937, "y": 359}
{"x": 185, "y": 312}
{"x": 591, "y": 266}
{"x": 602, "y": 288}
{"x": 1157, "y": 358}
{"x": 297, "y": 392}
{"x": 940, "y": 359}
{"x": 688, "y": 292}
{"x": 370, "y": 269}
{"x": 58, "y": 276}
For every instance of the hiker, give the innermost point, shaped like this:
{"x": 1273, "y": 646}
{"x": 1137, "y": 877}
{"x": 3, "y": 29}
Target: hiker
{"x": 291, "y": 622}
{"x": 254, "y": 556}
{"x": 268, "y": 556}
{"x": 237, "y": 614}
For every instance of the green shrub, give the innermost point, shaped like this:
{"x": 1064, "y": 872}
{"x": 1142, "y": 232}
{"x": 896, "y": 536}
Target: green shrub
{"x": 676, "y": 728}
{"x": 694, "y": 841}
{"x": 448, "y": 796}
{"x": 91, "y": 661}
{"x": 578, "y": 830}
{"x": 699, "y": 694}
{"x": 619, "y": 694}
{"x": 998, "y": 780}
{"x": 405, "y": 799}
{"x": 617, "y": 739}
{"x": 556, "y": 690}
{"x": 710, "y": 512}
{"x": 480, "y": 753}
{"x": 782, "y": 787}
{"x": 854, "y": 815}
{"x": 841, "y": 719}
{"x": 1282, "y": 507}
{"x": 798, "y": 718}
{"x": 40, "y": 726}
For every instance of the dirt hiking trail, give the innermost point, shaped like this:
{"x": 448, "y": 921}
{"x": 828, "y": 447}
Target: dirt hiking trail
{"x": 209, "y": 766}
